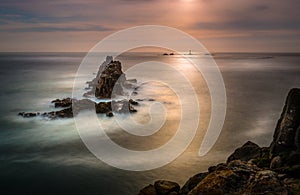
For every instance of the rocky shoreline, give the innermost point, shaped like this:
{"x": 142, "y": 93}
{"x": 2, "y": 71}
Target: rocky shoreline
{"x": 109, "y": 82}
{"x": 251, "y": 169}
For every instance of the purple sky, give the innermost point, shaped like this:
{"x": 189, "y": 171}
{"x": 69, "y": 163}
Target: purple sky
{"x": 221, "y": 25}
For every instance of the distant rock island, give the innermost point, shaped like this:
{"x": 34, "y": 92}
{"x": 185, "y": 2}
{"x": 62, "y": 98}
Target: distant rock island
{"x": 251, "y": 170}
{"x": 109, "y": 82}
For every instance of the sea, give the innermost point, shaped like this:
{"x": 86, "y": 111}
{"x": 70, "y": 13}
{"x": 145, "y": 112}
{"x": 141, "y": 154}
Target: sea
{"x": 43, "y": 156}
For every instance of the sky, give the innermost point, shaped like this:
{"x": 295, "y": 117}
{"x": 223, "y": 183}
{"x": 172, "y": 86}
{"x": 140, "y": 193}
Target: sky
{"x": 220, "y": 25}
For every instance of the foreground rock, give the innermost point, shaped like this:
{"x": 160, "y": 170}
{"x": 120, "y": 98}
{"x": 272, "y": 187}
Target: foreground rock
{"x": 252, "y": 169}
{"x": 161, "y": 187}
{"x": 286, "y": 140}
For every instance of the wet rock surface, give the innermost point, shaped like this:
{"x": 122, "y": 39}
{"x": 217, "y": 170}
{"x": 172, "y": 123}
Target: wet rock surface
{"x": 251, "y": 169}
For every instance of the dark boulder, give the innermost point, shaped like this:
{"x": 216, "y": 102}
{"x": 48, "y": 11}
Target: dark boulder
{"x": 131, "y": 101}
{"x": 164, "y": 187}
{"x": 28, "y": 114}
{"x": 65, "y": 113}
{"x": 266, "y": 182}
{"x": 103, "y": 107}
{"x": 192, "y": 183}
{"x": 109, "y": 114}
{"x": 66, "y": 102}
{"x": 286, "y": 138}
{"x": 148, "y": 190}
{"x": 247, "y": 152}
{"x": 161, "y": 187}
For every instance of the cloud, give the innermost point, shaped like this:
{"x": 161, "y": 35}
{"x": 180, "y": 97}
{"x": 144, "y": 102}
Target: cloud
{"x": 251, "y": 16}
{"x": 249, "y": 25}
{"x": 62, "y": 29}
{"x": 221, "y": 20}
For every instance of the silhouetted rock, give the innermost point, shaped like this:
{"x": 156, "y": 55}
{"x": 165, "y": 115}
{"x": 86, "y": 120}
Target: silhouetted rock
{"x": 148, "y": 190}
{"x": 286, "y": 139}
{"x": 192, "y": 183}
{"x": 166, "y": 187}
{"x": 131, "y": 101}
{"x": 248, "y": 151}
{"x": 109, "y": 114}
{"x": 28, "y": 114}
{"x": 160, "y": 187}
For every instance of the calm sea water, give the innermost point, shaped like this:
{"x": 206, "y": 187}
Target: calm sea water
{"x": 46, "y": 157}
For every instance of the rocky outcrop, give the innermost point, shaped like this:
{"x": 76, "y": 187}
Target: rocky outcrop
{"x": 107, "y": 108}
{"x": 109, "y": 81}
{"x": 286, "y": 139}
{"x": 67, "y": 102}
{"x": 248, "y": 151}
{"x": 161, "y": 187}
{"x": 252, "y": 169}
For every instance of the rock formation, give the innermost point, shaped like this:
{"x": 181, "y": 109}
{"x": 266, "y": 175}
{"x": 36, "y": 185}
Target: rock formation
{"x": 109, "y": 81}
{"x": 73, "y": 108}
{"x": 286, "y": 139}
{"x": 252, "y": 169}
